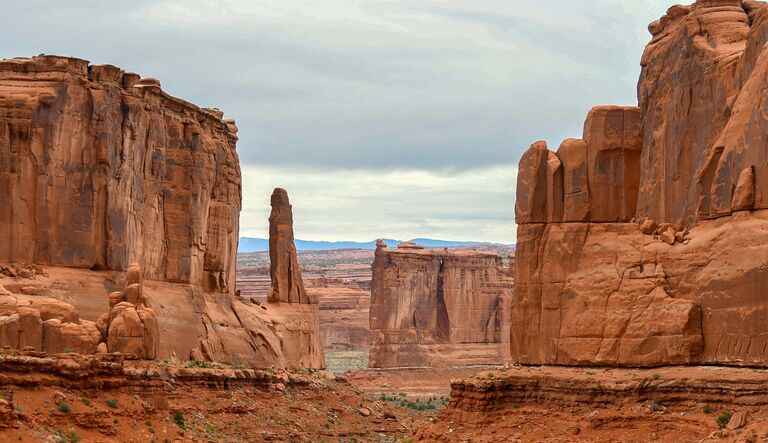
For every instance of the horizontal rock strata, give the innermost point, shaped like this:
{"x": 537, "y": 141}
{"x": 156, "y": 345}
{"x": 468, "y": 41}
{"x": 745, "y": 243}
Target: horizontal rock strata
{"x": 563, "y": 387}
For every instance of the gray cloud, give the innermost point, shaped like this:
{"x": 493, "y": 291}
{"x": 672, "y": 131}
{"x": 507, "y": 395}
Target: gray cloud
{"x": 341, "y": 83}
{"x": 410, "y": 109}
{"x": 365, "y": 204}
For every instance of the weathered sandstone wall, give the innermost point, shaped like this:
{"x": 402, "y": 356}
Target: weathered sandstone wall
{"x": 101, "y": 169}
{"x": 432, "y": 307}
{"x": 659, "y": 255}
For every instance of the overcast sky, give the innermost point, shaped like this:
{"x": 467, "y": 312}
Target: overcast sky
{"x": 397, "y": 118}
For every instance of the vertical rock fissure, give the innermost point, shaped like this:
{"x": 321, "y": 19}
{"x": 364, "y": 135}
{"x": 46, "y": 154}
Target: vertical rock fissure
{"x": 443, "y": 322}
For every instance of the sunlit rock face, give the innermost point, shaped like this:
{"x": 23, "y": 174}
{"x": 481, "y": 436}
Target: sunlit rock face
{"x": 299, "y": 329}
{"x": 660, "y": 254}
{"x": 100, "y": 169}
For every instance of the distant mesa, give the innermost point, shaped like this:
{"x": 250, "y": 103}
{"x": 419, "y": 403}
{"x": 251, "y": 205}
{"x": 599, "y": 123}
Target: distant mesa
{"x": 250, "y": 244}
{"x": 409, "y": 245}
{"x": 433, "y": 307}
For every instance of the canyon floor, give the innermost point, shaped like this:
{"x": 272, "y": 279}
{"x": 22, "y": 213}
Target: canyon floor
{"x": 70, "y": 398}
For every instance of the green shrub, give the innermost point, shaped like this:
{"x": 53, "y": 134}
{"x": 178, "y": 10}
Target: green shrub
{"x": 723, "y": 419}
{"x": 656, "y": 405}
{"x": 417, "y": 405}
{"x": 656, "y": 376}
{"x": 178, "y": 418}
{"x": 112, "y": 403}
{"x": 86, "y": 401}
{"x": 72, "y": 436}
{"x": 211, "y": 428}
{"x": 64, "y": 407}
{"x": 707, "y": 409}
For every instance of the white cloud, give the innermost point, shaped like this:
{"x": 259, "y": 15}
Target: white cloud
{"x": 361, "y": 205}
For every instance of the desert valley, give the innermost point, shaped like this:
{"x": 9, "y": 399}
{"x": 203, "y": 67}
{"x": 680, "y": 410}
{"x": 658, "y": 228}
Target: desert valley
{"x": 632, "y": 307}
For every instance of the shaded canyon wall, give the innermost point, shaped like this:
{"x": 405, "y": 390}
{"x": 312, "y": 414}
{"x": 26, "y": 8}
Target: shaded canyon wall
{"x": 433, "y": 307}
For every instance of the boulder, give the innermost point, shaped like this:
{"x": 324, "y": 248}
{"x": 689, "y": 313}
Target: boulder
{"x": 667, "y": 235}
{"x": 738, "y": 420}
{"x": 649, "y": 227}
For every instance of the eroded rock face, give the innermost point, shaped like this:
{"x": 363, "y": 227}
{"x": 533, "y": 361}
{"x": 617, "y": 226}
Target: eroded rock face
{"x": 703, "y": 115}
{"x": 284, "y": 271}
{"x": 45, "y": 324}
{"x": 130, "y": 325}
{"x": 299, "y": 325}
{"x": 99, "y": 169}
{"x": 594, "y": 179}
{"x": 433, "y": 307}
{"x": 661, "y": 262}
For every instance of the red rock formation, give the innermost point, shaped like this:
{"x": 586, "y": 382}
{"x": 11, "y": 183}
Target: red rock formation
{"x": 284, "y": 271}
{"x": 88, "y": 155}
{"x": 299, "y": 327}
{"x": 433, "y": 307}
{"x": 45, "y": 324}
{"x": 679, "y": 285}
{"x": 100, "y": 168}
{"x": 589, "y": 180}
{"x": 130, "y": 326}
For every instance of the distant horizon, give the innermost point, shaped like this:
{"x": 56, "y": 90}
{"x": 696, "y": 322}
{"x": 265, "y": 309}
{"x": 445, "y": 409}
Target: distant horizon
{"x": 367, "y": 240}
{"x": 260, "y": 244}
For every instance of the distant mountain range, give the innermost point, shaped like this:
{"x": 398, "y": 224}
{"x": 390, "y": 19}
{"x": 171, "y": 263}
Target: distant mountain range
{"x": 248, "y": 244}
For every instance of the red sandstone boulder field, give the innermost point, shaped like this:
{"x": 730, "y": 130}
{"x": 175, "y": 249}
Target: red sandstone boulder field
{"x": 660, "y": 255}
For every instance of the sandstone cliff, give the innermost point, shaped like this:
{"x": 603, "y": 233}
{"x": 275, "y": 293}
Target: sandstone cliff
{"x": 100, "y": 169}
{"x": 433, "y": 307}
{"x": 643, "y": 243}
